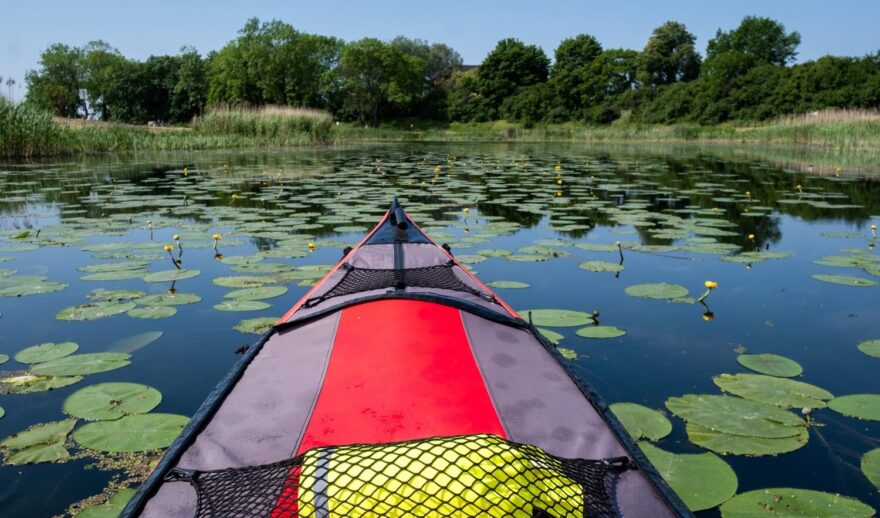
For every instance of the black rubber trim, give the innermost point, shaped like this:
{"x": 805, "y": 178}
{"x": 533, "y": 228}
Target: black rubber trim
{"x": 196, "y": 424}
{"x": 665, "y": 492}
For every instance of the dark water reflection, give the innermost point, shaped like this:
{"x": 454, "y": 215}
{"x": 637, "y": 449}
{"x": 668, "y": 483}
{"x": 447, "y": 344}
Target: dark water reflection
{"x": 595, "y": 196}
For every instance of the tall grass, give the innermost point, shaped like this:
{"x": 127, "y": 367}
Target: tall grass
{"x": 26, "y": 131}
{"x": 279, "y": 124}
{"x": 29, "y": 132}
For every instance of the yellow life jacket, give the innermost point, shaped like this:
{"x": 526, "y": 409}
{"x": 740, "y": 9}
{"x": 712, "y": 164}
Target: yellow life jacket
{"x": 477, "y": 475}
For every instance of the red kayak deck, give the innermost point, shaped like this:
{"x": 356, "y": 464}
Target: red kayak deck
{"x": 400, "y": 370}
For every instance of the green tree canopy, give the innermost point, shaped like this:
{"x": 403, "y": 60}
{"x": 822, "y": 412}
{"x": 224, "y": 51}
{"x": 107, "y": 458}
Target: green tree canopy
{"x": 55, "y": 85}
{"x": 669, "y": 56}
{"x": 376, "y": 75}
{"x": 573, "y": 74}
{"x": 759, "y": 40}
{"x": 510, "y": 66}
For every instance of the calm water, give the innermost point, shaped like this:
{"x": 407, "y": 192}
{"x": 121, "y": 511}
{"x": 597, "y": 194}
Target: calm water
{"x": 515, "y": 196}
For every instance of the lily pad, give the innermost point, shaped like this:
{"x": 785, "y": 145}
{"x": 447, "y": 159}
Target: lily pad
{"x": 114, "y": 295}
{"x": 45, "y": 433}
{"x": 171, "y": 275}
{"x": 702, "y": 480}
{"x": 82, "y": 364}
{"x": 94, "y": 310}
{"x": 243, "y": 281}
{"x": 871, "y": 348}
{"x": 136, "y": 432}
{"x": 241, "y": 305}
{"x": 109, "y": 401}
{"x": 770, "y": 364}
{"x": 256, "y": 326}
{"x": 259, "y": 293}
{"x": 153, "y": 312}
{"x": 111, "y": 509}
{"x": 641, "y": 421}
{"x": 553, "y": 336}
{"x": 845, "y": 280}
{"x": 556, "y": 317}
{"x": 660, "y": 290}
{"x": 44, "y": 352}
{"x": 507, "y": 284}
{"x": 169, "y": 299}
{"x": 37, "y": 453}
{"x": 871, "y": 466}
{"x": 600, "y": 332}
{"x": 730, "y": 444}
{"x": 30, "y": 288}
{"x": 133, "y": 343}
{"x": 29, "y": 384}
{"x": 791, "y": 503}
{"x": 4, "y": 358}
{"x": 114, "y": 276}
{"x": 600, "y": 266}
{"x": 776, "y": 391}
{"x": 861, "y": 406}
{"x": 735, "y": 415}
{"x": 568, "y": 354}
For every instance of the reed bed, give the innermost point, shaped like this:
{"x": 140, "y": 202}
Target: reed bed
{"x": 280, "y": 124}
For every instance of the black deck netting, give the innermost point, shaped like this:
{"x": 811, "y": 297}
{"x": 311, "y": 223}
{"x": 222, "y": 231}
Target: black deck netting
{"x": 357, "y": 280}
{"x": 470, "y": 475}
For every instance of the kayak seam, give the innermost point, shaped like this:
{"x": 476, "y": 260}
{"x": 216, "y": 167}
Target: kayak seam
{"x": 314, "y": 402}
{"x": 498, "y": 414}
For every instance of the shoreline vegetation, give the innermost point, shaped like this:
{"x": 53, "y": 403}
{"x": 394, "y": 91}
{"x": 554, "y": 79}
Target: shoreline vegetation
{"x": 26, "y": 132}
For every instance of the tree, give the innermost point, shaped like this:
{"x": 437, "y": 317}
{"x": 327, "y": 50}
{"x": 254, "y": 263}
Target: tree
{"x": 510, "y": 66}
{"x": 55, "y": 85}
{"x": 572, "y": 77}
{"x": 100, "y": 63}
{"x": 440, "y": 59}
{"x": 669, "y": 56}
{"x": 465, "y": 103}
{"x": 759, "y": 40}
{"x": 190, "y": 93}
{"x": 376, "y": 75}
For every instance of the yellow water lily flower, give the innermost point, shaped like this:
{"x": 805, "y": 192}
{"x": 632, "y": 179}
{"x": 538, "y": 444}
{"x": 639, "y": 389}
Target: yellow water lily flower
{"x": 751, "y": 237}
{"x": 217, "y": 237}
{"x": 168, "y": 248}
{"x": 466, "y": 209}
{"x": 312, "y": 246}
{"x": 175, "y": 237}
{"x": 710, "y": 284}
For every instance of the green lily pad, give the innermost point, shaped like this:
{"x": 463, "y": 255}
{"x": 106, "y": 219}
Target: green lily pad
{"x": 30, "y": 288}
{"x": 641, "y": 421}
{"x": 495, "y": 252}
{"x": 94, "y": 310}
{"x": 135, "y": 432}
{"x": 776, "y": 391}
{"x": 4, "y": 358}
{"x": 38, "y": 453}
{"x": 507, "y": 284}
{"x": 258, "y": 293}
{"x": 82, "y": 364}
{"x": 153, "y": 312}
{"x": 600, "y": 332}
{"x": 845, "y": 280}
{"x": 793, "y": 503}
{"x": 596, "y": 247}
{"x": 600, "y": 266}
{"x": 556, "y": 317}
{"x": 730, "y": 444}
{"x": 871, "y": 348}
{"x": 114, "y": 295}
{"x": 660, "y": 290}
{"x": 171, "y": 275}
{"x": 45, "y": 433}
{"x": 243, "y": 281}
{"x": 702, "y": 480}
{"x": 44, "y": 352}
{"x": 111, "y": 509}
{"x": 770, "y": 364}
{"x": 527, "y": 258}
{"x": 133, "y": 343}
{"x": 735, "y": 415}
{"x": 471, "y": 259}
{"x": 29, "y": 384}
{"x": 256, "y": 326}
{"x": 241, "y": 305}
{"x": 553, "y": 336}
{"x": 109, "y": 401}
{"x": 114, "y": 267}
{"x": 568, "y": 354}
{"x": 861, "y": 406}
{"x": 169, "y": 299}
{"x": 871, "y": 466}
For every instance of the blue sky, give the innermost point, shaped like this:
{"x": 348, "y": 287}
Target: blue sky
{"x": 472, "y": 27}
